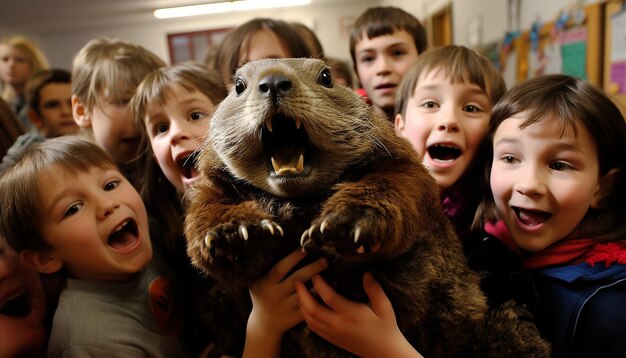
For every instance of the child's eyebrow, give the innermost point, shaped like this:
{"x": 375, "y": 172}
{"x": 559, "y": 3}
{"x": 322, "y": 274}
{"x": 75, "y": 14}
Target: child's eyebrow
{"x": 55, "y": 200}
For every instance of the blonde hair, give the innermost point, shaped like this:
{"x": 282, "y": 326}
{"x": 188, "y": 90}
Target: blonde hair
{"x": 35, "y": 57}
{"x": 110, "y": 66}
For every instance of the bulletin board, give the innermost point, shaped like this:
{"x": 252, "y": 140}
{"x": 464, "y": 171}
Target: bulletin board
{"x": 615, "y": 52}
{"x": 572, "y": 47}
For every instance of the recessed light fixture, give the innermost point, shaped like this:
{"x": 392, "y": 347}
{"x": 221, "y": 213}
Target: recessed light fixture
{"x": 221, "y": 7}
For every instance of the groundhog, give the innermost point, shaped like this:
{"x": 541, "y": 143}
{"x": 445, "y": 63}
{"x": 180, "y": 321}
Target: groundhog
{"x": 292, "y": 159}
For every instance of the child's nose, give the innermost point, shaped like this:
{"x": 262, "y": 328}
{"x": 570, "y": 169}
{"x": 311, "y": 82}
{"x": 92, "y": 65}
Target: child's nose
{"x": 447, "y": 121}
{"x": 107, "y": 206}
{"x": 529, "y": 182}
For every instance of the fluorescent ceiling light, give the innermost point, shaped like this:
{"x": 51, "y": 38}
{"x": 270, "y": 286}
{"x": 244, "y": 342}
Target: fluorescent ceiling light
{"x": 220, "y": 7}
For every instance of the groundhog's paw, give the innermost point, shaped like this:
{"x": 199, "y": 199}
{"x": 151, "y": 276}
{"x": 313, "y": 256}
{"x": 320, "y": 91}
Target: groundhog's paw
{"x": 229, "y": 241}
{"x": 343, "y": 233}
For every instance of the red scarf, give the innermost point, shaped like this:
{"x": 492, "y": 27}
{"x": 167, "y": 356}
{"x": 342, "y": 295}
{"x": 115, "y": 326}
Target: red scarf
{"x": 564, "y": 252}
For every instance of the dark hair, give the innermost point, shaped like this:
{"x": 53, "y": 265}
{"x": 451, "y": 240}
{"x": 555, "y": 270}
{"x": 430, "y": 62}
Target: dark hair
{"x": 227, "y": 56}
{"x": 310, "y": 38}
{"x": 380, "y": 21}
{"x": 20, "y": 218}
{"x": 10, "y": 127}
{"x": 578, "y": 106}
{"x": 41, "y": 79}
{"x": 459, "y": 64}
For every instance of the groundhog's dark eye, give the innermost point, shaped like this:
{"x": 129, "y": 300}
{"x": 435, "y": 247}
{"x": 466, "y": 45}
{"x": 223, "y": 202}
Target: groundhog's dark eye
{"x": 240, "y": 85}
{"x": 325, "y": 79}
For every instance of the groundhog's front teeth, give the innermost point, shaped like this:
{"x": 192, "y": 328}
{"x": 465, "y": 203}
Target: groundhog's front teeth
{"x": 288, "y": 168}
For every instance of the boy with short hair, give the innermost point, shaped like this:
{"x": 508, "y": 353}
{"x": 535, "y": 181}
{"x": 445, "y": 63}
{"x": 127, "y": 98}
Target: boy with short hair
{"x": 48, "y": 94}
{"x": 384, "y": 45}
{"x": 68, "y": 208}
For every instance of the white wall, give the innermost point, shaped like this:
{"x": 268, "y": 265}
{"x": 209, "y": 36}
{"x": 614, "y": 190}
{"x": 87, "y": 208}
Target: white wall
{"x": 152, "y": 34}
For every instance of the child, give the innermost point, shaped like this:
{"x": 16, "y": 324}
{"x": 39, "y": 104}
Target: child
{"x": 557, "y": 183}
{"x": 384, "y": 45}
{"x": 442, "y": 107}
{"x": 174, "y": 106}
{"x": 49, "y": 109}
{"x": 19, "y": 59}
{"x": 105, "y": 75}
{"x": 67, "y": 208}
{"x": 49, "y": 94}
{"x": 257, "y": 39}
{"x": 22, "y": 307}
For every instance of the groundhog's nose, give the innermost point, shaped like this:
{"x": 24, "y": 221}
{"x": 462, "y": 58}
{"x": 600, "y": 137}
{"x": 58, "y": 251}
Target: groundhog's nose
{"x": 275, "y": 86}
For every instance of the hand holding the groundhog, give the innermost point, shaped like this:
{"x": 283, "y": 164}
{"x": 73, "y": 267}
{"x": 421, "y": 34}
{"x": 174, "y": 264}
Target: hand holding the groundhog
{"x": 367, "y": 330}
{"x": 275, "y": 305}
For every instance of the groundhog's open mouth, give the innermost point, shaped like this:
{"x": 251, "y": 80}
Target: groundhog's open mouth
{"x": 284, "y": 142}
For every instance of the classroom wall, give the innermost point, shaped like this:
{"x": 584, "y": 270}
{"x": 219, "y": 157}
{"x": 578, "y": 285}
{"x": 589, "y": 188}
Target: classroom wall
{"x": 491, "y": 15}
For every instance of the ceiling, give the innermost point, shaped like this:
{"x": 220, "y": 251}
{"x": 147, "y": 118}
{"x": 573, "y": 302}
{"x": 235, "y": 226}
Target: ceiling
{"x": 38, "y": 17}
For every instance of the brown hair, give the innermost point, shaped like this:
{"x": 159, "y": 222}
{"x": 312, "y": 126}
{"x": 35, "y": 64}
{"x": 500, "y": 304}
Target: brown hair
{"x": 380, "y": 21}
{"x": 310, "y": 38}
{"x": 578, "y": 106}
{"x": 39, "y": 80}
{"x": 228, "y": 52}
{"x": 20, "y": 219}
{"x": 459, "y": 64}
{"x": 157, "y": 192}
{"x": 10, "y": 128}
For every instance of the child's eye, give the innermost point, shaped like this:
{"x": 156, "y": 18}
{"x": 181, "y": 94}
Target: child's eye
{"x": 561, "y": 166}
{"x": 73, "y": 209}
{"x": 160, "y": 128}
{"x": 194, "y": 116}
{"x": 366, "y": 59}
{"x": 430, "y": 104}
{"x": 509, "y": 159}
{"x": 472, "y": 108}
{"x": 398, "y": 53}
{"x": 111, "y": 185}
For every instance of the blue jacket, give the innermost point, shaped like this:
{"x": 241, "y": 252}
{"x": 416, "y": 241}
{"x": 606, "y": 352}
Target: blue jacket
{"x": 582, "y": 309}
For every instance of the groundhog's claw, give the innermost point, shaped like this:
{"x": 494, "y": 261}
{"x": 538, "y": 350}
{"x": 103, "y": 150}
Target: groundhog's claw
{"x": 272, "y": 227}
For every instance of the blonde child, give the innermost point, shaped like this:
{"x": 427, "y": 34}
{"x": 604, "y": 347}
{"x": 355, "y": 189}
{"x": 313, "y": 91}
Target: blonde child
{"x": 174, "y": 106}
{"x": 384, "y": 44}
{"x": 19, "y": 59}
{"x": 105, "y": 75}
{"x": 68, "y": 208}
{"x": 558, "y": 204}
{"x": 443, "y": 107}
{"x": 257, "y": 39}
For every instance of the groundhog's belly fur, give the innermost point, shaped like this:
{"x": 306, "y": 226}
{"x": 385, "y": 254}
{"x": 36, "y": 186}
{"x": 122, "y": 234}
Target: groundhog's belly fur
{"x": 293, "y": 159}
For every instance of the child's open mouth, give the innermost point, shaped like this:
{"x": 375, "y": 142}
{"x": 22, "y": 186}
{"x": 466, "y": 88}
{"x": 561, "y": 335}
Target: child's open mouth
{"x": 531, "y": 217}
{"x": 18, "y": 306}
{"x": 124, "y": 236}
{"x": 444, "y": 153}
{"x": 187, "y": 165}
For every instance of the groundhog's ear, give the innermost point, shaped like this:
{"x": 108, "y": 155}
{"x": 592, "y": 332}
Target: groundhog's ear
{"x": 41, "y": 261}
{"x": 605, "y": 188}
{"x": 81, "y": 117}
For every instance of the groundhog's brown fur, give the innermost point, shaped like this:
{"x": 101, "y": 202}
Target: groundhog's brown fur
{"x": 360, "y": 196}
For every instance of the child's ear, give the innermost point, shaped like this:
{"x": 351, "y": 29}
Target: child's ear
{"x": 398, "y": 123}
{"x": 81, "y": 117}
{"x": 41, "y": 261}
{"x": 605, "y": 188}
{"x": 35, "y": 119}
